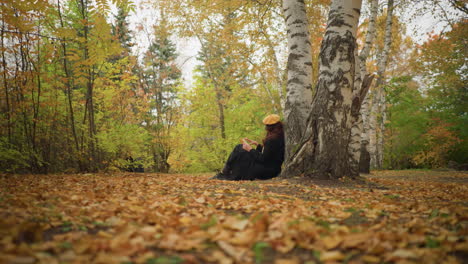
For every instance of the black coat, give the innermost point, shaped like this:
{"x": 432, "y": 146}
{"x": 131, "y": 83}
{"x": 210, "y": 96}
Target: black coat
{"x": 264, "y": 162}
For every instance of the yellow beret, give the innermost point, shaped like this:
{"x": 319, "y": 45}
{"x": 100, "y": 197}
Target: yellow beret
{"x": 271, "y": 119}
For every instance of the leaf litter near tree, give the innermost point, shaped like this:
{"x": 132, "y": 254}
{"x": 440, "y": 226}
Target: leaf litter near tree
{"x": 167, "y": 218}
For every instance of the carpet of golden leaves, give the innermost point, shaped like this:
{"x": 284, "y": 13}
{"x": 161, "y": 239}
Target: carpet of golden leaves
{"x": 396, "y": 217}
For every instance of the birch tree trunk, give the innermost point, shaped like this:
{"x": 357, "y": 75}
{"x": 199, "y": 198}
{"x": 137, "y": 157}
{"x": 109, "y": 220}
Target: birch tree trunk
{"x": 299, "y": 68}
{"x": 323, "y": 150}
{"x": 362, "y": 82}
{"x": 381, "y": 139}
{"x": 361, "y": 85}
{"x": 364, "y": 157}
{"x": 372, "y": 127}
{"x": 376, "y": 135}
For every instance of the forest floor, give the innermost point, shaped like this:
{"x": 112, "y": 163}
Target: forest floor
{"x": 390, "y": 217}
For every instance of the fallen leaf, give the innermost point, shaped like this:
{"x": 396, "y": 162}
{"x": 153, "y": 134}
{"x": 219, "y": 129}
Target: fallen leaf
{"x": 331, "y": 242}
{"x": 243, "y": 238}
{"x": 353, "y": 240}
{"x": 22, "y": 260}
{"x": 67, "y": 256}
{"x": 235, "y": 223}
{"x": 285, "y": 245}
{"x": 236, "y": 253}
{"x": 331, "y": 256}
{"x": 200, "y": 199}
{"x": 104, "y": 234}
{"x": 219, "y": 257}
{"x": 371, "y": 259}
{"x": 403, "y": 253}
{"x": 104, "y": 258}
{"x": 287, "y": 261}
{"x": 185, "y": 220}
{"x": 148, "y": 231}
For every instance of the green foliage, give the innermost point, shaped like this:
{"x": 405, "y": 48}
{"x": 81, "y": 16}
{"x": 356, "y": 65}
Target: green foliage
{"x": 258, "y": 249}
{"x": 121, "y": 29}
{"x": 204, "y": 148}
{"x": 122, "y": 141}
{"x": 74, "y": 97}
{"x": 165, "y": 260}
{"x": 427, "y": 126}
{"x": 160, "y": 78}
{"x": 408, "y": 120}
{"x": 443, "y": 64}
{"x": 12, "y": 159}
{"x": 212, "y": 222}
{"x": 70, "y": 96}
{"x": 432, "y": 243}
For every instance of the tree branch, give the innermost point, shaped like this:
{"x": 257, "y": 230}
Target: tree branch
{"x": 31, "y": 33}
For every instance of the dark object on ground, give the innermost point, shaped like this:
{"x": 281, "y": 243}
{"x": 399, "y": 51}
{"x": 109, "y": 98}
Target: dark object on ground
{"x": 463, "y": 167}
{"x": 134, "y": 165}
{"x": 220, "y": 176}
{"x": 456, "y": 166}
{"x": 452, "y": 165}
{"x": 364, "y": 161}
{"x": 262, "y": 163}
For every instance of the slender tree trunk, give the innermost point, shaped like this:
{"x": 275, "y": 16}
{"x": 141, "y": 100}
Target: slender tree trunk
{"x": 219, "y": 96}
{"x": 68, "y": 84}
{"x": 265, "y": 86}
{"x": 279, "y": 74}
{"x": 372, "y": 127}
{"x": 5, "y": 81}
{"x": 219, "y": 99}
{"x": 273, "y": 101}
{"x": 364, "y": 157}
{"x": 381, "y": 139}
{"x": 376, "y": 144}
{"x": 89, "y": 90}
{"x": 359, "y": 95}
{"x": 37, "y": 68}
{"x": 324, "y": 148}
{"x": 22, "y": 85}
{"x": 362, "y": 83}
{"x": 299, "y": 68}
{"x": 279, "y": 80}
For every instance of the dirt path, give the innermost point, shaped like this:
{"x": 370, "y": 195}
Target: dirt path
{"x": 394, "y": 216}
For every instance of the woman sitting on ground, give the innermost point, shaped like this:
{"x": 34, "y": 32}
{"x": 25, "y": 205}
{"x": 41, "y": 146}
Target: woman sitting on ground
{"x": 264, "y": 162}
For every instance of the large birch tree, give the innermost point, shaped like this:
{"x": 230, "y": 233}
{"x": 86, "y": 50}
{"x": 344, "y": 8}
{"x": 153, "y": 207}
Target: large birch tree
{"x": 324, "y": 148}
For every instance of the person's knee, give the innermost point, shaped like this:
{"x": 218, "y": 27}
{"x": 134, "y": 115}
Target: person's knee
{"x": 238, "y": 147}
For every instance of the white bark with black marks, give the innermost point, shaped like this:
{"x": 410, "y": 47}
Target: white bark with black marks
{"x": 381, "y": 139}
{"x": 323, "y": 151}
{"x": 364, "y": 156}
{"x": 299, "y": 69}
{"x": 376, "y": 131}
{"x": 361, "y": 90}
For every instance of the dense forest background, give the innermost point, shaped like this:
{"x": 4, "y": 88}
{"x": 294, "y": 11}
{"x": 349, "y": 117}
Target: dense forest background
{"x": 78, "y": 92}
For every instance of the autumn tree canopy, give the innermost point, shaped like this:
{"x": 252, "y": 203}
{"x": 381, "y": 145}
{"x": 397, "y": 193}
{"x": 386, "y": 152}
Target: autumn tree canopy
{"x": 92, "y": 86}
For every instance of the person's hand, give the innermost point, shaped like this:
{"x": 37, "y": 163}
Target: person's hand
{"x": 253, "y": 142}
{"x": 246, "y": 146}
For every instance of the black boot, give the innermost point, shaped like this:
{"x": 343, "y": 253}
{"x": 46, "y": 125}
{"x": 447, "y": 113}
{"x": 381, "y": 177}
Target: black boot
{"x": 220, "y": 176}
